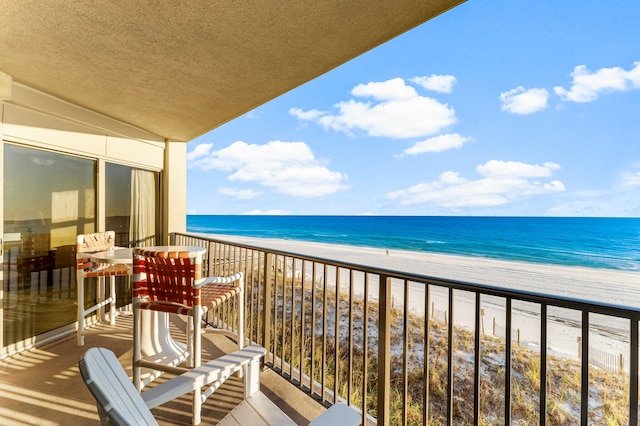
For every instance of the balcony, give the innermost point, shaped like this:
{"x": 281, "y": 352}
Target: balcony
{"x": 339, "y": 331}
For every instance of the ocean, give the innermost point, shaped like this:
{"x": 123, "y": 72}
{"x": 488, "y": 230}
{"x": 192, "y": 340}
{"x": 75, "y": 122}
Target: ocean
{"x": 612, "y": 243}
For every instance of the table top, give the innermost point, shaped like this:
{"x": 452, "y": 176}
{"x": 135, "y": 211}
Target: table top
{"x": 117, "y": 255}
{"x": 175, "y": 248}
{"x": 170, "y": 251}
{"x": 125, "y": 255}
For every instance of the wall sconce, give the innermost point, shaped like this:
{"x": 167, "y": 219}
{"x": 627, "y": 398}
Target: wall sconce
{"x": 6, "y": 84}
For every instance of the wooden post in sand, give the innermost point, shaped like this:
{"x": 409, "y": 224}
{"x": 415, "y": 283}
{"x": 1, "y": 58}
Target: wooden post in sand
{"x": 621, "y": 364}
{"x": 579, "y": 340}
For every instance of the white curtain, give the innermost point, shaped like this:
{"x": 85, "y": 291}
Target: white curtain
{"x": 143, "y": 208}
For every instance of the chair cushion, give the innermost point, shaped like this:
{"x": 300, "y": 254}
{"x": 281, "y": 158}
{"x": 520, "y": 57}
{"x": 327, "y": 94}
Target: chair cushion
{"x": 212, "y": 296}
{"x": 117, "y": 269}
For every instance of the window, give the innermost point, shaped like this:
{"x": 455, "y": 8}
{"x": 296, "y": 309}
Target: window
{"x": 132, "y": 212}
{"x": 132, "y": 205}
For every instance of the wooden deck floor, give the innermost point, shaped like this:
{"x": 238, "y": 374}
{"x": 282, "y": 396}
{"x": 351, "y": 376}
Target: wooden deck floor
{"x": 43, "y": 386}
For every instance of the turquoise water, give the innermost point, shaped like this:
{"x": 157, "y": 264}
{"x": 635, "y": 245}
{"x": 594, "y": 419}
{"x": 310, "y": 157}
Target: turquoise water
{"x": 612, "y": 243}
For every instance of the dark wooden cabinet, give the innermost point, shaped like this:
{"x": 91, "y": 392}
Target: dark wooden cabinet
{"x": 38, "y": 261}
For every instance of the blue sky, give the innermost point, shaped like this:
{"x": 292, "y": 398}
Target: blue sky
{"x": 519, "y": 108}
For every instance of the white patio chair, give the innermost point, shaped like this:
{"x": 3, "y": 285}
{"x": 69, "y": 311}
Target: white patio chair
{"x": 87, "y": 244}
{"x": 168, "y": 280}
{"x": 119, "y": 403}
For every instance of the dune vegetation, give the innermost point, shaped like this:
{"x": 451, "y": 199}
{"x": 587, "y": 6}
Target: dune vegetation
{"x": 608, "y": 392}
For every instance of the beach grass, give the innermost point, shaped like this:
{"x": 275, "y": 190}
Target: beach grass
{"x": 608, "y": 392}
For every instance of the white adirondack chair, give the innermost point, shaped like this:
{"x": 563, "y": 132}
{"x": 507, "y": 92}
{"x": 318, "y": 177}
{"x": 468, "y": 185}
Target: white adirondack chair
{"x": 119, "y": 403}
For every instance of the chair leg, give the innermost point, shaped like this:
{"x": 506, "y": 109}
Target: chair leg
{"x": 101, "y": 293}
{"x": 197, "y": 407}
{"x": 112, "y": 295}
{"x": 241, "y": 321}
{"x": 197, "y": 336}
{"x": 190, "y": 361}
{"x": 80, "y": 297}
{"x": 137, "y": 351}
{"x": 196, "y": 358}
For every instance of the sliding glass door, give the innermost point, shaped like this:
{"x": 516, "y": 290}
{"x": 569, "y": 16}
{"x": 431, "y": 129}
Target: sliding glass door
{"x": 49, "y": 198}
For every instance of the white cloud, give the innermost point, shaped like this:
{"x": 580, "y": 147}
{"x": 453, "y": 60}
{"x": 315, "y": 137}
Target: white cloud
{"x": 497, "y": 168}
{"x": 241, "y": 194}
{"x": 437, "y": 83}
{"x": 267, "y": 212}
{"x": 394, "y": 89}
{"x": 306, "y": 115}
{"x": 605, "y": 202}
{"x": 524, "y": 101}
{"x": 502, "y": 183}
{"x": 397, "y": 112}
{"x": 288, "y": 167}
{"x": 630, "y": 180}
{"x": 438, "y": 144}
{"x": 199, "y": 151}
{"x": 253, "y": 114}
{"x": 587, "y": 86}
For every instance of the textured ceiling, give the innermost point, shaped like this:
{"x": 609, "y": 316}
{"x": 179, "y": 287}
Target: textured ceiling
{"x": 181, "y": 68}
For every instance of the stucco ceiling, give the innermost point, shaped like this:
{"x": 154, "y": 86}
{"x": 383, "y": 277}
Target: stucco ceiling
{"x": 181, "y": 68}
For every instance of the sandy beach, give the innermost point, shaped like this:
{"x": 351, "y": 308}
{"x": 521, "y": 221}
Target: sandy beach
{"x": 588, "y": 284}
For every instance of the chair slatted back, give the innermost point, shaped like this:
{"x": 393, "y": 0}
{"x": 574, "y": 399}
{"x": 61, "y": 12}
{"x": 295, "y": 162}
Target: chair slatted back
{"x": 117, "y": 399}
{"x": 92, "y": 243}
{"x": 167, "y": 277}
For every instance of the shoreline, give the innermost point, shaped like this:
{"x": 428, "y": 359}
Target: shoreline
{"x": 600, "y": 285}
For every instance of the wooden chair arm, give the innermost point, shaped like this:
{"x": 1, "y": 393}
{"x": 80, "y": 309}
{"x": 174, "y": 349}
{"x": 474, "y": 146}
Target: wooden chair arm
{"x": 218, "y": 369}
{"x": 219, "y": 280}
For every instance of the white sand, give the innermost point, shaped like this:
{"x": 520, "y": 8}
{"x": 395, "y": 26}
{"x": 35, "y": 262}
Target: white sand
{"x": 589, "y": 284}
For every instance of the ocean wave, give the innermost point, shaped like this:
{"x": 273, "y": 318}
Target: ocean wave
{"x": 589, "y": 242}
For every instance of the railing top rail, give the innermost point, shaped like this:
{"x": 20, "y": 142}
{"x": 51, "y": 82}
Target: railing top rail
{"x": 628, "y": 312}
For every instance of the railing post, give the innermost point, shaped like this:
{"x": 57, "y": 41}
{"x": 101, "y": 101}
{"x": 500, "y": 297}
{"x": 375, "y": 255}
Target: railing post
{"x": 266, "y": 311}
{"x": 633, "y": 373}
{"x": 384, "y": 351}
